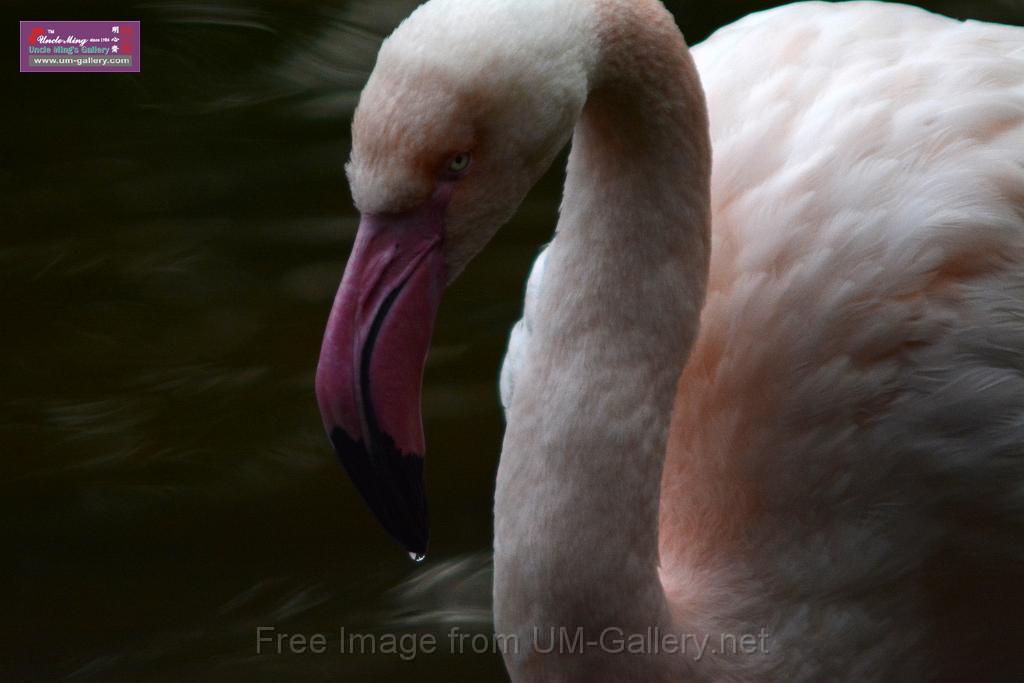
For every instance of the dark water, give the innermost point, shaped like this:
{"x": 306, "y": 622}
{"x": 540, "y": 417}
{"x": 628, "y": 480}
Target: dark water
{"x": 171, "y": 242}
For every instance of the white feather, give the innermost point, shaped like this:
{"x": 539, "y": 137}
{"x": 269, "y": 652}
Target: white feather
{"x": 854, "y": 402}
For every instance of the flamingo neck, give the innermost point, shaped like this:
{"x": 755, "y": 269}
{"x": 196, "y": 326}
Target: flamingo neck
{"x": 576, "y": 511}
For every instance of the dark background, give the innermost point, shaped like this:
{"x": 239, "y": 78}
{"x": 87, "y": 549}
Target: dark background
{"x": 171, "y": 242}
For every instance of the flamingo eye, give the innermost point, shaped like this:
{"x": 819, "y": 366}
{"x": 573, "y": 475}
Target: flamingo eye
{"x": 459, "y": 163}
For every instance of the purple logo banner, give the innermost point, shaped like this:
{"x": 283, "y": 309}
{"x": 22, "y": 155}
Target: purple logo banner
{"x": 77, "y": 46}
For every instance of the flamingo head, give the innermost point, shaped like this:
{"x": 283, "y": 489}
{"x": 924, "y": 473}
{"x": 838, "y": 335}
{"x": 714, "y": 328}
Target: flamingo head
{"x": 464, "y": 111}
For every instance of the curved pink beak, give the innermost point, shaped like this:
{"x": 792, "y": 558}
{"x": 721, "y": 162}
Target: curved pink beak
{"x": 371, "y": 364}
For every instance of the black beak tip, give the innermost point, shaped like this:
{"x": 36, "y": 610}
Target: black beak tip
{"x": 391, "y": 484}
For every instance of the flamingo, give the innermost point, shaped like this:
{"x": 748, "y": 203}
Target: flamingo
{"x": 769, "y": 379}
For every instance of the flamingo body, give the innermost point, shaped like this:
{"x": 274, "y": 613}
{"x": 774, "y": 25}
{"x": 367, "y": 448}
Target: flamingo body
{"x": 851, "y": 416}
